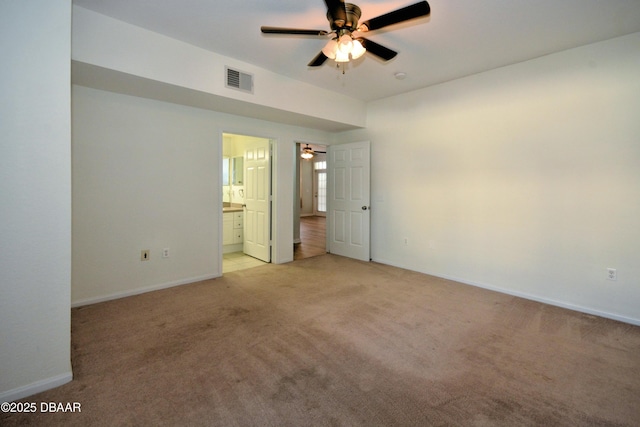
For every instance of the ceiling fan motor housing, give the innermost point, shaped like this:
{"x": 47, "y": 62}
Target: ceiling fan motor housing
{"x": 352, "y": 15}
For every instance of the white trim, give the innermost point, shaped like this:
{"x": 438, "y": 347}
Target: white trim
{"x": 525, "y": 295}
{"x": 37, "y": 387}
{"x": 227, "y": 249}
{"x": 144, "y": 290}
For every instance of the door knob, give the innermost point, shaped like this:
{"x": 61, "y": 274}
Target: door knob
{"x": 364, "y": 208}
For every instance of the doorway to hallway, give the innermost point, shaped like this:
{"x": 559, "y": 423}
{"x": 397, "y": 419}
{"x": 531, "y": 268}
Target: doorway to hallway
{"x": 311, "y": 208}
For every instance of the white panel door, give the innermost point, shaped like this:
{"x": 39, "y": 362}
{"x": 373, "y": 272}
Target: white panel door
{"x": 257, "y": 213}
{"x": 348, "y": 218}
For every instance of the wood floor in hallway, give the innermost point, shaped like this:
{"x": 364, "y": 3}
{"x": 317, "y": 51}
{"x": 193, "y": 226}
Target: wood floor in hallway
{"x": 312, "y": 236}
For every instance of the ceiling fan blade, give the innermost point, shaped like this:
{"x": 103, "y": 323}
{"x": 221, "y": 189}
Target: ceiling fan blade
{"x": 377, "y": 49}
{"x": 298, "y": 31}
{"x": 404, "y": 14}
{"x": 318, "y": 60}
{"x": 337, "y": 9}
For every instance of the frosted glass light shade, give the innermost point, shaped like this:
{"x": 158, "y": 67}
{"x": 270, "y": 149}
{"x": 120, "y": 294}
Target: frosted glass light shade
{"x": 342, "y": 56}
{"x": 330, "y": 49}
{"x": 358, "y": 50}
{"x": 346, "y": 44}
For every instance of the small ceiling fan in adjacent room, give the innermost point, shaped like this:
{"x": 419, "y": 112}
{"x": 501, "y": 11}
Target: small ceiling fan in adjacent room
{"x": 308, "y": 152}
{"x": 347, "y": 41}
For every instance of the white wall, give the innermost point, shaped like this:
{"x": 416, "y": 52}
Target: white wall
{"x": 115, "y": 45}
{"x": 35, "y": 194}
{"x": 147, "y": 175}
{"x": 524, "y": 179}
{"x": 306, "y": 187}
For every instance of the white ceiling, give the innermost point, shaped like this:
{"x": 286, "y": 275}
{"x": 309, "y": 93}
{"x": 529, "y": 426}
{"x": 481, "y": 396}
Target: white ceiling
{"x": 460, "y": 38}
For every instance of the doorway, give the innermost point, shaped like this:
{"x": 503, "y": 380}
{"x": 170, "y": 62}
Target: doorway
{"x": 246, "y": 201}
{"x": 312, "y": 202}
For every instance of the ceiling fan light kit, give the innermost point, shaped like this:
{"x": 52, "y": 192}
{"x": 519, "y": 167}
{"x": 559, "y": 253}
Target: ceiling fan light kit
{"x": 307, "y": 153}
{"x": 346, "y": 42}
{"x": 344, "y": 48}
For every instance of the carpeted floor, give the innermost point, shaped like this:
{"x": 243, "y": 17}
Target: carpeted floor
{"x": 329, "y": 341}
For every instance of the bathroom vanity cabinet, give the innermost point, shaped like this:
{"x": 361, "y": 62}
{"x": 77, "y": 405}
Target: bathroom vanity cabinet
{"x": 232, "y": 229}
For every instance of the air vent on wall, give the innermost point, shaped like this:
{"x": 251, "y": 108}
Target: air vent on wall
{"x": 239, "y": 80}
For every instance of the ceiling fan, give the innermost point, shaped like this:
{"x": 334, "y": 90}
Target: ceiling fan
{"x": 346, "y": 35}
{"x": 308, "y": 152}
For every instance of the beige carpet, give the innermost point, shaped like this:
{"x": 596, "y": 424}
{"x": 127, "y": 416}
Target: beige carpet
{"x": 336, "y": 342}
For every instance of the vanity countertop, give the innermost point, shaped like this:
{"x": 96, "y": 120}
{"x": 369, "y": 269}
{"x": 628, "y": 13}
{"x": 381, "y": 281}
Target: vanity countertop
{"x": 233, "y": 208}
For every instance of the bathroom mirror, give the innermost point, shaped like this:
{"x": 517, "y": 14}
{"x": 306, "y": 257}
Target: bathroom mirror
{"x": 237, "y": 170}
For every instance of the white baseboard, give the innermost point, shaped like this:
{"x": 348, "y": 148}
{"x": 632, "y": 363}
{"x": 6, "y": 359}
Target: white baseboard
{"x": 525, "y": 295}
{"x": 139, "y": 291}
{"x": 237, "y": 247}
{"x": 37, "y": 387}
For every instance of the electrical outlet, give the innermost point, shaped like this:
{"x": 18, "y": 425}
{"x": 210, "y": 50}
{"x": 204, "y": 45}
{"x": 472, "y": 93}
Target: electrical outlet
{"x": 144, "y": 255}
{"x": 165, "y": 253}
{"x": 612, "y": 274}
{"x": 406, "y": 241}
